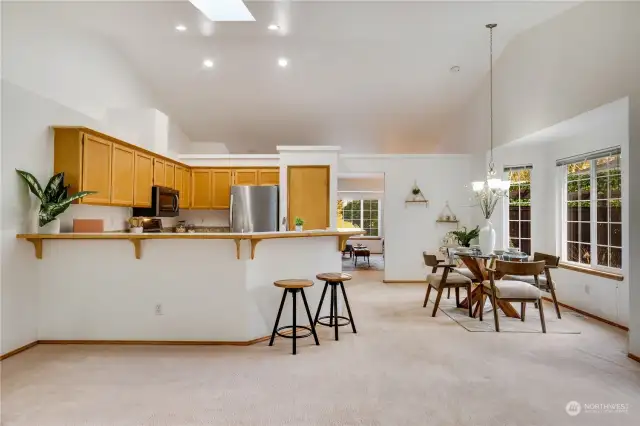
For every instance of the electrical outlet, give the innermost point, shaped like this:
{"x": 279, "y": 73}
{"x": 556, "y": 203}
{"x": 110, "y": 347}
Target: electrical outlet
{"x": 158, "y": 309}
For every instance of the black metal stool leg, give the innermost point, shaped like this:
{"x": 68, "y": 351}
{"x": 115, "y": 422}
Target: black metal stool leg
{"x": 295, "y": 296}
{"x": 324, "y": 291}
{"x": 275, "y": 326}
{"x": 346, "y": 302}
{"x": 335, "y": 309}
{"x": 333, "y": 290}
{"x": 306, "y": 306}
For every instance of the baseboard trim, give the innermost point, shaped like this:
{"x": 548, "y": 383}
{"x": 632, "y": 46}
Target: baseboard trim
{"x": 17, "y": 351}
{"x": 636, "y": 358}
{"x": 587, "y": 314}
{"x": 156, "y": 342}
{"x": 404, "y": 281}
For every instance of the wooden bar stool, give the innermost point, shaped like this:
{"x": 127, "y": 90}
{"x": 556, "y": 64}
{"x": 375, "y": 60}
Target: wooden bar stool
{"x": 293, "y": 287}
{"x": 334, "y": 279}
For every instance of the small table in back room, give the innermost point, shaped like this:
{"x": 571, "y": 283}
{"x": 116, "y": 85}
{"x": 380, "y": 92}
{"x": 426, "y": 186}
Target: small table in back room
{"x": 361, "y": 252}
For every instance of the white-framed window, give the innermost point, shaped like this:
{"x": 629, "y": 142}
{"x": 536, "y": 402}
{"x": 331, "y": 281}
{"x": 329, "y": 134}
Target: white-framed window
{"x": 519, "y": 228}
{"x": 360, "y": 213}
{"x": 592, "y": 210}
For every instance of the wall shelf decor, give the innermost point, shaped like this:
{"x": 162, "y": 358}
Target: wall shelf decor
{"x": 447, "y": 215}
{"x": 416, "y": 196}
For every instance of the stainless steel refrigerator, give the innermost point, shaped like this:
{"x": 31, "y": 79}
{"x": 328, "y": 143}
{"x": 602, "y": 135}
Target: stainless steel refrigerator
{"x": 253, "y": 208}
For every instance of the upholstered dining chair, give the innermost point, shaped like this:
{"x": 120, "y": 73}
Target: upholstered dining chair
{"x": 511, "y": 290}
{"x": 545, "y": 281}
{"x": 446, "y": 279}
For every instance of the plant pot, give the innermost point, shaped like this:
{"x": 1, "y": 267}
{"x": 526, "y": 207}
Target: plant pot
{"x": 136, "y": 230}
{"x": 33, "y": 217}
{"x": 52, "y": 227}
{"x": 487, "y": 238}
{"x": 298, "y": 228}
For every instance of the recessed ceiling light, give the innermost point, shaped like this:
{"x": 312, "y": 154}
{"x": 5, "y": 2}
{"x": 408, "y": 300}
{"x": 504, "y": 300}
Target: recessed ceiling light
{"x": 454, "y": 69}
{"x": 273, "y": 27}
{"x": 283, "y": 62}
{"x": 181, "y": 28}
{"x": 207, "y": 63}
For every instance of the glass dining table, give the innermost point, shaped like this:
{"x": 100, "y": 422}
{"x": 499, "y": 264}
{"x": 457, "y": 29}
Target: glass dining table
{"x": 477, "y": 263}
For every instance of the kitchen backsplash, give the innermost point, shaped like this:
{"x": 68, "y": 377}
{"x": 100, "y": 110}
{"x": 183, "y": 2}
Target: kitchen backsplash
{"x": 211, "y": 218}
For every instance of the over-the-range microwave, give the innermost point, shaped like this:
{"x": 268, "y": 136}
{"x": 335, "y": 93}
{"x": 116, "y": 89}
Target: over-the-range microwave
{"x": 165, "y": 202}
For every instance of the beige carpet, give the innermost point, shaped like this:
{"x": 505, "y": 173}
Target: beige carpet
{"x": 402, "y": 368}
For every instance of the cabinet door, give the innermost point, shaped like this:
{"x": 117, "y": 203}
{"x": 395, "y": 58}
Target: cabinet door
{"x": 185, "y": 192}
{"x": 177, "y": 184}
{"x": 221, "y": 188}
{"x": 158, "y": 172}
{"x": 201, "y": 188}
{"x": 308, "y": 196}
{"x": 96, "y": 170}
{"x": 245, "y": 177}
{"x": 122, "y": 172}
{"x": 143, "y": 180}
{"x": 170, "y": 175}
{"x": 269, "y": 177}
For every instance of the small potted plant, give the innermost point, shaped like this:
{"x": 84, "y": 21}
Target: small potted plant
{"x": 415, "y": 191}
{"x": 54, "y": 200}
{"x": 464, "y": 237}
{"x": 299, "y": 223}
{"x": 135, "y": 225}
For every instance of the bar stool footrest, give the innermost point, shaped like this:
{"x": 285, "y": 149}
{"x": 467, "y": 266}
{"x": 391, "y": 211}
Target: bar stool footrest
{"x": 347, "y": 321}
{"x": 298, "y": 336}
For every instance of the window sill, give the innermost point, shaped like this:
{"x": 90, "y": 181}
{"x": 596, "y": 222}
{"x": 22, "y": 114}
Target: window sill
{"x": 591, "y": 271}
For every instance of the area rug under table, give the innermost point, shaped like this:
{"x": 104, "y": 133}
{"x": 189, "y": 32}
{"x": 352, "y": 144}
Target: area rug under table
{"x": 531, "y": 324}
{"x": 376, "y": 263}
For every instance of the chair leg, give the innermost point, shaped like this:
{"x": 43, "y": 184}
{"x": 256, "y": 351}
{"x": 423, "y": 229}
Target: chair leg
{"x": 331, "y": 306}
{"x": 555, "y": 300}
{"x": 275, "y": 326}
{"x": 294, "y": 296}
{"x": 457, "y": 297}
{"x": 335, "y": 310}
{"x": 481, "y": 303}
{"x": 346, "y": 302}
{"x": 544, "y": 326}
{"x": 426, "y": 297}
{"x": 449, "y": 293}
{"x": 494, "y": 302}
{"x": 435, "y": 306}
{"x": 469, "y": 289}
{"x": 523, "y": 309}
{"x": 324, "y": 291}
{"x": 306, "y": 307}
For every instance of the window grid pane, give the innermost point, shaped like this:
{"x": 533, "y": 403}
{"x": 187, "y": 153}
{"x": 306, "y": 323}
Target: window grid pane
{"x": 520, "y": 210}
{"x": 360, "y": 213}
{"x": 603, "y": 248}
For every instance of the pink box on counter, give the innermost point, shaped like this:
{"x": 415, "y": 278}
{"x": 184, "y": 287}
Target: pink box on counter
{"x": 88, "y": 225}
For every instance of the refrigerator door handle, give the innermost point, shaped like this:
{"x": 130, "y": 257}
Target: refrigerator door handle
{"x": 231, "y": 212}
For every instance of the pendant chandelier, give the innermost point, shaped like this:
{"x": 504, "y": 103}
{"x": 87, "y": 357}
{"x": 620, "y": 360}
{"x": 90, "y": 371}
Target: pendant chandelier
{"x": 489, "y": 191}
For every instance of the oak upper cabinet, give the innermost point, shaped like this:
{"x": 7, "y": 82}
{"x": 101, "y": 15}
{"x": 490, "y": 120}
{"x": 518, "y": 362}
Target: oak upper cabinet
{"x": 269, "y": 177}
{"x": 221, "y": 181}
{"x": 308, "y": 196}
{"x": 96, "y": 169}
{"x": 122, "y": 175}
{"x": 143, "y": 180}
{"x": 201, "y": 189}
{"x": 185, "y": 189}
{"x": 245, "y": 177}
{"x": 158, "y": 172}
{"x": 170, "y": 175}
{"x": 177, "y": 184}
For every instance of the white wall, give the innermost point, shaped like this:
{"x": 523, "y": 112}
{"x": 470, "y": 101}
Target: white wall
{"x": 602, "y": 128}
{"x": 204, "y": 148}
{"x": 361, "y": 184}
{"x": 411, "y": 229}
{"x": 50, "y": 77}
{"x": 230, "y": 160}
{"x": 634, "y": 231}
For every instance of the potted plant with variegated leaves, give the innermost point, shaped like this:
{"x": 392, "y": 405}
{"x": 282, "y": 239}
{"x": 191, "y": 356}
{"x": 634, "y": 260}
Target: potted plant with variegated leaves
{"x": 54, "y": 200}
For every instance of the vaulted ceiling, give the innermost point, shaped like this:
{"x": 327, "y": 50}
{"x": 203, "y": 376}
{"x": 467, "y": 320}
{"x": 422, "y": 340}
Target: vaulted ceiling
{"x": 369, "y": 76}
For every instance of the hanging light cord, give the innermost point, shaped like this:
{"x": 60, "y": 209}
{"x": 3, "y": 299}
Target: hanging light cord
{"x": 492, "y": 171}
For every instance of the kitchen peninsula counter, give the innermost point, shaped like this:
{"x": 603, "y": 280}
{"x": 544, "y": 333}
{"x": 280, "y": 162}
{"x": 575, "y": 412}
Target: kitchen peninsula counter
{"x": 187, "y": 288}
{"x": 254, "y": 237}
